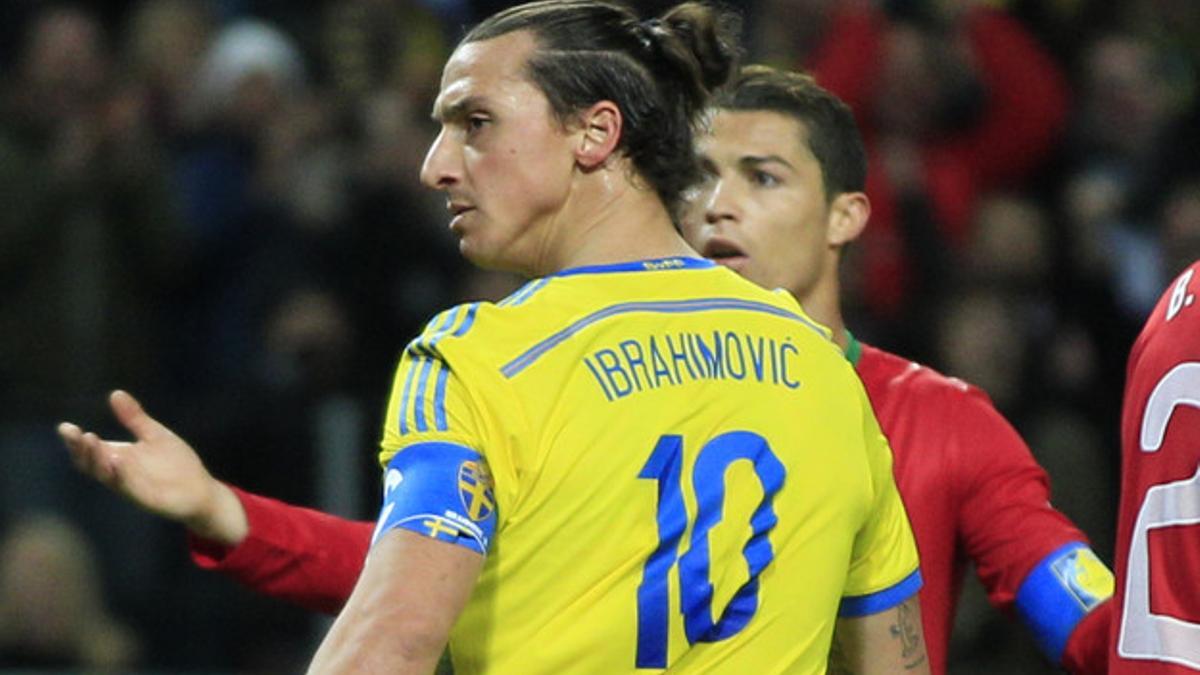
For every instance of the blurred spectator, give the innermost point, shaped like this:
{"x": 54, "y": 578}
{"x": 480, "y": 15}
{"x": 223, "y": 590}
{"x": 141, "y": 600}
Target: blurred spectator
{"x": 1181, "y": 225}
{"x": 87, "y": 237}
{"x": 89, "y": 247}
{"x": 981, "y": 339}
{"x": 780, "y": 31}
{"x": 1134, "y": 134}
{"x": 165, "y": 40}
{"x": 1010, "y": 251}
{"x": 954, "y": 99}
{"x": 1010, "y": 242}
{"x": 52, "y": 612}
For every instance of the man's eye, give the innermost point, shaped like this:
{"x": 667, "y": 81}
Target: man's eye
{"x": 764, "y": 179}
{"x": 476, "y": 122}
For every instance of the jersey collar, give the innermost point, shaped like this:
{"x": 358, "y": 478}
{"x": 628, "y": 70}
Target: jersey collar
{"x": 653, "y": 265}
{"x": 853, "y": 349}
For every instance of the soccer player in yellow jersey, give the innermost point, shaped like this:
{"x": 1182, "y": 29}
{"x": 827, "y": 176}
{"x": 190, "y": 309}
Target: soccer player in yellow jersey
{"x": 640, "y": 461}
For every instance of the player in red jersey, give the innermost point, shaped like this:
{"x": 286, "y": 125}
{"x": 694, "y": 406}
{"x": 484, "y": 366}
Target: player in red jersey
{"x": 1156, "y": 628}
{"x": 779, "y": 213}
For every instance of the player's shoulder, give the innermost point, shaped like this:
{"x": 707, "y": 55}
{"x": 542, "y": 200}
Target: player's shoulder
{"x": 1175, "y": 311}
{"x": 924, "y": 411}
{"x": 902, "y": 388}
{"x": 451, "y": 324}
{"x": 884, "y": 371}
{"x": 482, "y": 325}
{"x": 1169, "y": 334}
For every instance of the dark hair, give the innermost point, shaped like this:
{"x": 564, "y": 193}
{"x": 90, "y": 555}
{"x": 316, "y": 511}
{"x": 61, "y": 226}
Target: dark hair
{"x": 833, "y": 136}
{"x": 660, "y": 74}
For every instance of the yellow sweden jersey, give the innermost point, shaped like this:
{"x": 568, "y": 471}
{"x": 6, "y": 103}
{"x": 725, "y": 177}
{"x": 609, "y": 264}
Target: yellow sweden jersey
{"x": 687, "y": 474}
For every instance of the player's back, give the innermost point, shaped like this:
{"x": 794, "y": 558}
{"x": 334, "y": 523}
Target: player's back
{"x": 686, "y": 473}
{"x": 1158, "y": 531}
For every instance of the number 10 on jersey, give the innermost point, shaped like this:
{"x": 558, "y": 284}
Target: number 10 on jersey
{"x": 696, "y": 591}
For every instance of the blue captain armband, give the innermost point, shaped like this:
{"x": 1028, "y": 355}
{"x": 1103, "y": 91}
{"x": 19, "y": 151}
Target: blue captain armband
{"x": 440, "y": 490}
{"x": 1059, "y": 592}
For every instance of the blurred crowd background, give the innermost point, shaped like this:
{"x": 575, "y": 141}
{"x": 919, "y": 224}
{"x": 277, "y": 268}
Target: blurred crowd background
{"x": 215, "y": 205}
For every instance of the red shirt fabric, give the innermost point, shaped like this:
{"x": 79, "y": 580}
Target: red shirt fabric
{"x": 973, "y": 492}
{"x": 1156, "y": 628}
{"x": 972, "y": 489}
{"x": 306, "y": 557}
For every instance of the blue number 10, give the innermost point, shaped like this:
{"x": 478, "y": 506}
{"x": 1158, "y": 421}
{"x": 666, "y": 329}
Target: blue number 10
{"x": 708, "y": 478}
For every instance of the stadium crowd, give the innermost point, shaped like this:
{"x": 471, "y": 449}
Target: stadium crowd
{"x": 215, "y": 205}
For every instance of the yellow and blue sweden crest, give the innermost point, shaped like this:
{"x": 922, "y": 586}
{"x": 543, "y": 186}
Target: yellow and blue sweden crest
{"x": 475, "y": 490}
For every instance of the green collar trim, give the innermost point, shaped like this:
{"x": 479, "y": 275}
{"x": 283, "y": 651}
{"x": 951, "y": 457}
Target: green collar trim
{"x": 853, "y": 349}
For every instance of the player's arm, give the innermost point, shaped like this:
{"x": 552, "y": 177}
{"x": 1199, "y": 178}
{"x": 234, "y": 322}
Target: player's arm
{"x": 291, "y": 553}
{"x": 437, "y": 519}
{"x": 1027, "y": 554}
{"x": 435, "y": 526}
{"x": 891, "y": 641}
{"x": 879, "y": 621}
{"x": 280, "y": 550}
{"x": 399, "y": 617}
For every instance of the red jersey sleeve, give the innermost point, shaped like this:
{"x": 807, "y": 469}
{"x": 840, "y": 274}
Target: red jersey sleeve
{"x": 1027, "y": 554}
{"x": 292, "y": 553}
{"x": 1007, "y": 522}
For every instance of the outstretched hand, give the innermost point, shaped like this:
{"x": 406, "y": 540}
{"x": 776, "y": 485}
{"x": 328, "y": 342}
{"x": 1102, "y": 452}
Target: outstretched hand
{"x": 158, "y": 472}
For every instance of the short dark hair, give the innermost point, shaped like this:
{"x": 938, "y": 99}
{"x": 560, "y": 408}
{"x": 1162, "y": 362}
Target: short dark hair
{"x": 660, "y": 73}
{"x": 833, "y": 136}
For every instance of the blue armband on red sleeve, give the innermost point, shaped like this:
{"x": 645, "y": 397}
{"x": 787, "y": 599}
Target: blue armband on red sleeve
{"x": 1059, "y": 592}
{"x": 441, "y": 490}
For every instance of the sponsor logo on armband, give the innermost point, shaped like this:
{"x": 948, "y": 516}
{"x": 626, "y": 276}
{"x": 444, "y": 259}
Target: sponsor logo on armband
{"x": 1084, "y": 577}
{"x": 1059, "y": 591}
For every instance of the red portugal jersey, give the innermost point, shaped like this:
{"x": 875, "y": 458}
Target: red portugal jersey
{"x": 974, "y": 492}
{"x": 1157, "y": 626}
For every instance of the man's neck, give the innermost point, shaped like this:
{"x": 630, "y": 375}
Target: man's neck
{"x": 618, "y": 223}
{"x": 823, "y": 304}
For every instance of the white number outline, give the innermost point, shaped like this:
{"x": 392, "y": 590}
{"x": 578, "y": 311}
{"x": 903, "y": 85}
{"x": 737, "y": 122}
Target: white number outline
{"x": 1145, "y": 635}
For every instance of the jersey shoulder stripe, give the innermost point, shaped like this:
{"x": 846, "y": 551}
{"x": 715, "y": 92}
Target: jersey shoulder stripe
{"x": 423, "y": 398}
{"x": 524, "y": 293}
{"x": 539, "y": 349}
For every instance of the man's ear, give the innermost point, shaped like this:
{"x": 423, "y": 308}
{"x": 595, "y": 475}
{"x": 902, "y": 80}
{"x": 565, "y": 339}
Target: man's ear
{"x": 848, "y": 215}
{"x": 599, "y": 130}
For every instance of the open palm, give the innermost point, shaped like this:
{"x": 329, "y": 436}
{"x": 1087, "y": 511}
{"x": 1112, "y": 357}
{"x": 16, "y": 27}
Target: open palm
{"x": 159, "y": 471}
